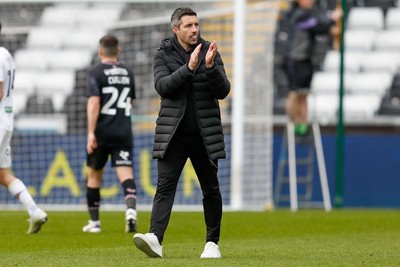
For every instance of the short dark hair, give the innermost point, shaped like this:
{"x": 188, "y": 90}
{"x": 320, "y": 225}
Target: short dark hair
{"x": 109, "y": 43}
{"x": 179, "y": 13}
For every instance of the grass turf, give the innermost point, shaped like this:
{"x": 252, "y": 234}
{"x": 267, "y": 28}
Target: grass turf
{"x": 279, "y": 238}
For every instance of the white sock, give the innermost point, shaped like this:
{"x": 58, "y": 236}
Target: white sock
{"x": 18, "y": 188}
{"x": 95, "y": 222}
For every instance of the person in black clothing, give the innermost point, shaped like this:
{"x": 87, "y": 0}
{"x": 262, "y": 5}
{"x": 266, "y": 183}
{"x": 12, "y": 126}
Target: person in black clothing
{"x": 189, "y": 76}
{"x": 111, "y": 89}
{"x": 305, "y": 23}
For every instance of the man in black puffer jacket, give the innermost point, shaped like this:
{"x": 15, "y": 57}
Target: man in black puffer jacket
{"x": 189, "y": 76}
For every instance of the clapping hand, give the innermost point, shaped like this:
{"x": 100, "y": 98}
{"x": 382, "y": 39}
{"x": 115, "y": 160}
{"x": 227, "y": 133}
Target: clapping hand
{"x": 211, "y": 53}
{"x": 194, "y": 58}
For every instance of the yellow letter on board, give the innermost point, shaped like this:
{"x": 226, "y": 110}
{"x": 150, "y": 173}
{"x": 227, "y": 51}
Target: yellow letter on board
{"x": 60, "y": 174}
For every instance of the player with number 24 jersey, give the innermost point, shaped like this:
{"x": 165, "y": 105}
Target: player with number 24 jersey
{"x": 110, "y": 89}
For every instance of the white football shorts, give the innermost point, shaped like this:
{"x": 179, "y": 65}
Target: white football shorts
{"x": 5, "y": 149}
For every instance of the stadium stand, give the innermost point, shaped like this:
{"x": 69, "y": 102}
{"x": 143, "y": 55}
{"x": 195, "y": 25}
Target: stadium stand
{"x": 376, "y": 63}
{"x": 281, "y": 36}
{"x": 74, "y": 30}
{"x": 370, "y": 35}
{"x": 372, "y": 65}
{"x": 61, "y": 42}
{"x": 140, "y": 27}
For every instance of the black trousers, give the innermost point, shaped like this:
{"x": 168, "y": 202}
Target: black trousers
{"x": 170, "y": 167}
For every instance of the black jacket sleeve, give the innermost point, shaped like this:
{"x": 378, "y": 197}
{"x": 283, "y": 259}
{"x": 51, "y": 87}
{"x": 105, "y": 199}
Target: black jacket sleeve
{"x": 217, "y": 78}
{"x": 167, "y": 83}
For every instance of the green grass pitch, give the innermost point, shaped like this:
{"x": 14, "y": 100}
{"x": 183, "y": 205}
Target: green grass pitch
{"x": 279, "y": 238}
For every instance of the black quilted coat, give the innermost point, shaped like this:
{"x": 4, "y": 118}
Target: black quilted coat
{"x": 172, "y": 78}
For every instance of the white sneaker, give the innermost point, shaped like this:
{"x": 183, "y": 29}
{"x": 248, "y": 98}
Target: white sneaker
{"x": 92, "y": 227}
{"x": 148, "y": 243}
{"x": 130, "y": 218}
{"x": 36, "y": 221}
{"x": 211, "y": 250}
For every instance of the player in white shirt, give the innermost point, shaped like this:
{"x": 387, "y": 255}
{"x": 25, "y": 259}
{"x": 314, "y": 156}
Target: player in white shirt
{"x": 16, "y": 187}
